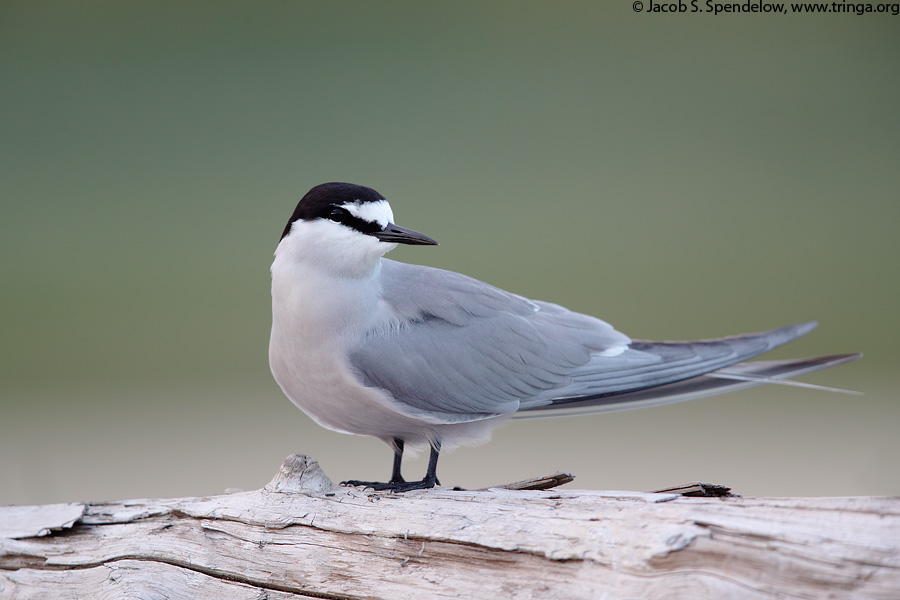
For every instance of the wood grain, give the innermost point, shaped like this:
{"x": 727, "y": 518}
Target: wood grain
{"x": 303, "y": 537}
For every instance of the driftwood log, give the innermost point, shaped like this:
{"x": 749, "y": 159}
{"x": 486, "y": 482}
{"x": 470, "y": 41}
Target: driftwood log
{"x": 303, "y": 537}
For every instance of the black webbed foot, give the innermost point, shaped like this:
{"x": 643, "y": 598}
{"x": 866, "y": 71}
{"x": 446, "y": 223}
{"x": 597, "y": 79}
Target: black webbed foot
{"x": 397, "y": 483}
{"x": 395, "y": 486}
{"x": 378, "y": 486}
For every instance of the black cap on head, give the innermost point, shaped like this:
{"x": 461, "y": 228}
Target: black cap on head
{"x": 322, "y": 199}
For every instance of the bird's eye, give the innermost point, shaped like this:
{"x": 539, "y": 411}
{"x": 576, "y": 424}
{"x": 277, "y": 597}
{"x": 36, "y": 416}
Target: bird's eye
{"x": 337, "y": 214}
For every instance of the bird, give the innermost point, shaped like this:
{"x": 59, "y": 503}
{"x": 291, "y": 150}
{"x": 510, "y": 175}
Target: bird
{"x": 421, "y": 357}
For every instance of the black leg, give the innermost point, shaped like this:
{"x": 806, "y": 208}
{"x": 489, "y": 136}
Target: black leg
{"x": 431, "y": 473}
{"x": 397, "y": 483}
{"x": 396, "y": 477}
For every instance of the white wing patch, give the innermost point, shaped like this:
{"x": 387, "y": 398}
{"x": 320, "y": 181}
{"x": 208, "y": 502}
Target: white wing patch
{"x": 373, "y": 212}
{"x": 614, "y": 351}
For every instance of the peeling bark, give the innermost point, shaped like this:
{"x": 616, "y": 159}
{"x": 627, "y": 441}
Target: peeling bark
{"x": 303, "y": 537}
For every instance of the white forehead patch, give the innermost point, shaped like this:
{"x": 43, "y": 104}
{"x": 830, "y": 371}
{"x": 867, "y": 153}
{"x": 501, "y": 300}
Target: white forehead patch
{"x": 373, "y": 212}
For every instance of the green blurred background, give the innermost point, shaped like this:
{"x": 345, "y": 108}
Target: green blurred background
{"x": 682, "y": 176}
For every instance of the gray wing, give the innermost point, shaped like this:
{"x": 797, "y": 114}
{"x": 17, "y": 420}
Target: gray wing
{"x": 465, "y": 350}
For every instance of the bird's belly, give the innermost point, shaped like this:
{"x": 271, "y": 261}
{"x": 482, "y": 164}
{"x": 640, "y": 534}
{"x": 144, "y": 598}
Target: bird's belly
{"x": 332, "y": 397}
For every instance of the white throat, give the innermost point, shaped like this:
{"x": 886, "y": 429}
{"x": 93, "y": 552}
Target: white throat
{"x": 331, "y": 249}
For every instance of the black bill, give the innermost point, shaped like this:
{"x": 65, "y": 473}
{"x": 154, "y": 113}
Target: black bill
{"x": 402, "y": 235}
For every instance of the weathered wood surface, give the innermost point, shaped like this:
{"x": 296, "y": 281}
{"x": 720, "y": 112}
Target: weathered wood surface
{"x": 303, "y": 537}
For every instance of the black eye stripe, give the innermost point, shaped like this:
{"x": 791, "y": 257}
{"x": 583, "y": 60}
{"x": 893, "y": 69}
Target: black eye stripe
{"x": 348, "y": 220}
